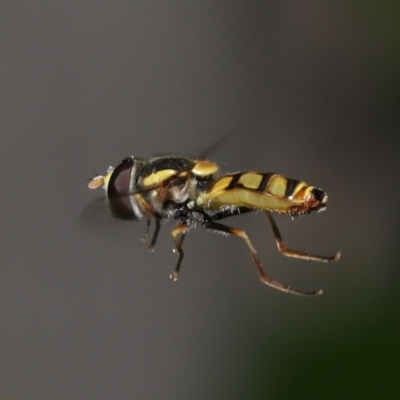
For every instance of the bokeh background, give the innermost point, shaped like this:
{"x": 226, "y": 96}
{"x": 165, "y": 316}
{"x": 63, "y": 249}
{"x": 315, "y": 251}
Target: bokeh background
{"x": 307, "y": 89}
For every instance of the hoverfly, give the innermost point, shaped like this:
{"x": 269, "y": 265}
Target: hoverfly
{"x": 189, "y": 192}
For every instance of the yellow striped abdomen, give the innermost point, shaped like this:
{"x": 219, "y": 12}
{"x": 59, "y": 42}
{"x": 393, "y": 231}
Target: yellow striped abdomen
{"x": 262, "y": 191}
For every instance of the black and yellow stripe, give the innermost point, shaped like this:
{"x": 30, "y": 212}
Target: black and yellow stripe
{"x": 263, "y": 191}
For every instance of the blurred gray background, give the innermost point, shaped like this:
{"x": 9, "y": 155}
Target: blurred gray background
{"x": 307, "y": 89}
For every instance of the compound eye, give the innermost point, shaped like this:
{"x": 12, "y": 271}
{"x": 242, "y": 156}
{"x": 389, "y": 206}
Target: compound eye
{"x": 118, "y": 184}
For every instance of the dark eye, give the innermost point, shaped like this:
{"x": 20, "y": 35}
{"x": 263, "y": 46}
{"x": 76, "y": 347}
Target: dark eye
{"x": 120, "y": 178}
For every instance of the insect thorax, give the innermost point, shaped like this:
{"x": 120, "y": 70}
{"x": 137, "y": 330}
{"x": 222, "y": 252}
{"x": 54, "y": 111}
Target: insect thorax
{"x": 163, "y": 187}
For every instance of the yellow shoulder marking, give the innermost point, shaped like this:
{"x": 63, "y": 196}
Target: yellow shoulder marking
{"x": 158, "y": 177}
{"x": 204, "y": 168}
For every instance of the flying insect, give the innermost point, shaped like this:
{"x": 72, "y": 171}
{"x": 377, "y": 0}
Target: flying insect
{"x": 190, "y": 192}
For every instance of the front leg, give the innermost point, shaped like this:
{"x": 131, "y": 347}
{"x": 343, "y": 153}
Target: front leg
{"x": 155, "y": 234}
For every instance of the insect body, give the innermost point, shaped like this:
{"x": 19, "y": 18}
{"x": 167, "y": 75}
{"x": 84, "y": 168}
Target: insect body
{"x": 188, "y": 191}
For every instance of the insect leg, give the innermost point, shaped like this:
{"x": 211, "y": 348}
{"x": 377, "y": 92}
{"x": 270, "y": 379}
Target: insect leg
{"x": 148, "y": 223}
{"x": 155, "y": 234}
{"x": 216, "y": 227}
{"x": 178, "y": 235}
{"x": 294, "y": 253}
